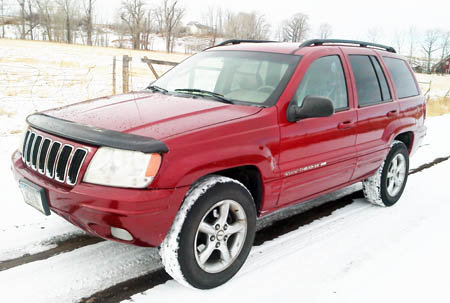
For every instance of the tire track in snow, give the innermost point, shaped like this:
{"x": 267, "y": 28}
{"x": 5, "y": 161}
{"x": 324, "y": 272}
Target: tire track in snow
{"x": 126, "y": 289}
{"x": 61, "y": 247}
{"x": 428, "y": 165}
{"x": 68, "y": 277}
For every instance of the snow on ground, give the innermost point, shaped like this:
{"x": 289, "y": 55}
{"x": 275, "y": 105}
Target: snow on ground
{"x": 434, "y": 144}
{"x": 438, "y": 84}
{"x": 360, "y": 252}
{"x": 76, "y": 274}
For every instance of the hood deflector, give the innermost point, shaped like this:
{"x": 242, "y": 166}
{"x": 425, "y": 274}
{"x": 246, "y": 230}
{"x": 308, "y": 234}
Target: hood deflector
{"x": 94, "y": 135}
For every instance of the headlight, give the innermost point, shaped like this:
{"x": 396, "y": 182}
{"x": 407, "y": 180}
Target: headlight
{"x": 122, "y": 168}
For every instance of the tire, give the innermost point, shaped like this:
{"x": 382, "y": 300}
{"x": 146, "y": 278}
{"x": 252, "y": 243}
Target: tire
{"x": 386, "y": 186}
{"x": 217, "y": 216}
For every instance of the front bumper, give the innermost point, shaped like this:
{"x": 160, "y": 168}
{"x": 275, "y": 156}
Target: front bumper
{"x": 146, "y": 214}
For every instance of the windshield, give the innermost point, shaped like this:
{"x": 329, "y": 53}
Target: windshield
{"x": 240, "y": 76}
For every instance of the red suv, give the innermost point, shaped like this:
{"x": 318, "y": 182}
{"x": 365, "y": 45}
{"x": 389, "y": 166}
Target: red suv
{"x": 222, "y": 140}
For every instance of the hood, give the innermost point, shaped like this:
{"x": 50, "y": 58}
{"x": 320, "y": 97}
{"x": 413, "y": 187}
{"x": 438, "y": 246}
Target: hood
{"x": 150, "y": 114}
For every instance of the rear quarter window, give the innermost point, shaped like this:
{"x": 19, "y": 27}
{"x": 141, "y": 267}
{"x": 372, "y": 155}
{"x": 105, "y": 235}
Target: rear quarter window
{"x": 401, "y": 75}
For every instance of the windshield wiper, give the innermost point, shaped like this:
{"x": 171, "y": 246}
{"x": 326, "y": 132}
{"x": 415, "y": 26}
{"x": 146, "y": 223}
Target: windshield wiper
{"x": 157, "y": 89}
{"x": 195, "y": 91}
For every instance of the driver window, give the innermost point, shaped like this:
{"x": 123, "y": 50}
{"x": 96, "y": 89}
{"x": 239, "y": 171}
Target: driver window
{"x": 324, "y": 78}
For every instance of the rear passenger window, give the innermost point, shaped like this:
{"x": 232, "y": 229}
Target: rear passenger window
{"x": 402, "y": 77}
{"x": 370, "y": 80}
{"x": 385, "y": 93}
{"x": 324, "y": 78}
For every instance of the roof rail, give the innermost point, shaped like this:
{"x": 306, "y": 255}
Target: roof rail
{"x": 341, "y": 41}
{"x": 237, "y": 41}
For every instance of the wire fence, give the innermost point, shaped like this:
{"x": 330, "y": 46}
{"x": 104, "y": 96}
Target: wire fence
{"x": 28, "y": 85}
{"x": 70, "y": 83}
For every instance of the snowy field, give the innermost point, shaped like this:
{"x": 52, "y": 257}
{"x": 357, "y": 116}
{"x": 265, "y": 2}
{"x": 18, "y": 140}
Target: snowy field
{"x": 439, "y": 85}
{"x": 358, "y": 253}
{"x": 38, "y": 75}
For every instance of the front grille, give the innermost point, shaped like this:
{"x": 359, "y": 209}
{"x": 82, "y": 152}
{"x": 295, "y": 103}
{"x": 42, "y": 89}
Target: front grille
{"x": 54, "y": 159}
{"x": 61, "y": 167}
{"x": 74, "y": 169}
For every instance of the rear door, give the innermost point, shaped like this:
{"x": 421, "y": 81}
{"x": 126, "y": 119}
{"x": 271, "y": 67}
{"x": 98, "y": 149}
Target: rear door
{"x": 318, "y": 154}
{"x": 377, "y": 112}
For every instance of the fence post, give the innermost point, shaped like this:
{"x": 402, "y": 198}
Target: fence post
{"x": 126, "y": 72}
{"x": 150, "y": 63}
{"x": 114, "y": 75}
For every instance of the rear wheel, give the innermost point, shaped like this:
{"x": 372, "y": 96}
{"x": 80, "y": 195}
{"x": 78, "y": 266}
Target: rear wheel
{"x": 212, "y": 233}
{"x": 386, "y": 186}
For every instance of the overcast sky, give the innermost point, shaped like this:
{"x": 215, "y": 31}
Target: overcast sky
{"x": 349, "y": 18}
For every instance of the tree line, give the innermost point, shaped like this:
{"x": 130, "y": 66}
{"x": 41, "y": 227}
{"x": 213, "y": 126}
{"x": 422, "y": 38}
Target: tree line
{"x": 75, "y": 21}
{"x": 71, "y": 20}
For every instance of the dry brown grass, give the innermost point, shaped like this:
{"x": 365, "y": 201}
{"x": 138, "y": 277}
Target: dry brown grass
{"x": 438, "y": 106}
{"x": 5, "y": 112}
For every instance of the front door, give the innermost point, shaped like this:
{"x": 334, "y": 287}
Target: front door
{"x": 318, "y": 154}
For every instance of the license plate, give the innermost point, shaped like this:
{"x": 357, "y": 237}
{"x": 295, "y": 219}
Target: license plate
{"x": 34, "y": 195}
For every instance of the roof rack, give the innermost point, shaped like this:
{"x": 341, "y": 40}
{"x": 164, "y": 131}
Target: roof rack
{"x": 341, "y": 41}
{"x": 237, "y": 41}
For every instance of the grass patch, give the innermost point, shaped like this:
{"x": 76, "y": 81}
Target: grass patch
{"x": 438, "y": 106}
{"x": 15, "y": 131}
{"x": 6, "y": 113}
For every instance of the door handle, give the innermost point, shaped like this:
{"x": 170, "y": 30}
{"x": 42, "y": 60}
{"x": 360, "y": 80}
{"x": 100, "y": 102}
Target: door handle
{"x": 346, "y": 124}
{"x": 392, "y": 113}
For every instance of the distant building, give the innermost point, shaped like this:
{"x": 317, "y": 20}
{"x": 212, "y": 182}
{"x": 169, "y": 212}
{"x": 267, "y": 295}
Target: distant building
{"x": 443, "y": 66}
{"x": 196, "y": 28}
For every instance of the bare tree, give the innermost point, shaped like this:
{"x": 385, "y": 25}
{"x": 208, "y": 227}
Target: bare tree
{"x": 87, "y": 21}
{"x": 121, "y": 29}
{"x": 22, "y": 18}
{"x": 133, "y": 13}
{"x": 399, "y": 40}
{"x": 430, "y": 45}
{"x": 412, "y": 41}
{"x": 374, "y": 34}
{"x": 32, "y": 19}
{"x": 213, "y": 18}
{"x": 445, "y": 44}
{"x": 169, "y": 15}
{"x": 278, "y": 34}
{"x": 69, "y": 9}
{"x": 3, "y": 12}
{"x": 296, "y": 28}
{"x": 147, "y": 29}
{"x": 28, "y": 19}
{"x": 325, "y": 30}
{"x": 251, "y": 26}
{"x": 46, "y": 13}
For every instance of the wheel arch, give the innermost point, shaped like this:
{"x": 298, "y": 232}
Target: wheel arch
{"x": 407, "y": 138}
{"x": 248, "y": 175}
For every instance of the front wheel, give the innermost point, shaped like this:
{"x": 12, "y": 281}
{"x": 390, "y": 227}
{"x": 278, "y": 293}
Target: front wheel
{"x": 386, "y": 186}
{"x": 212, "y": 233}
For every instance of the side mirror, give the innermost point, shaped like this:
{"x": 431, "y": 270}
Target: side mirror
{"x": 312, "y": 107}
